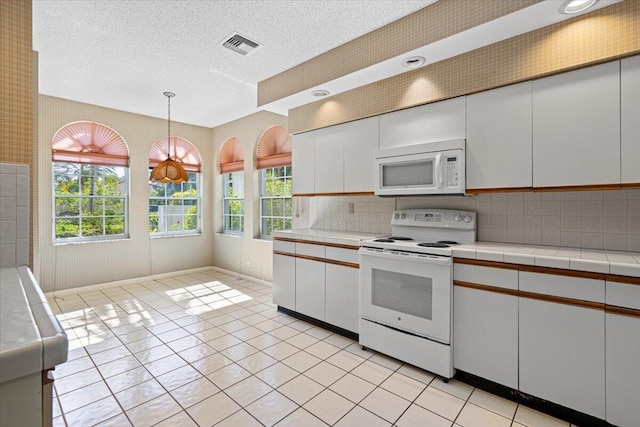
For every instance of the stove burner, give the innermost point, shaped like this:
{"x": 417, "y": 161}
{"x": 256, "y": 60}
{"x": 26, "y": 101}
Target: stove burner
{"x": 400, "y": 238}
{"x": 448, "y": 242}
{"x": 433, "y": 245}
{"x": 384, "y": 240}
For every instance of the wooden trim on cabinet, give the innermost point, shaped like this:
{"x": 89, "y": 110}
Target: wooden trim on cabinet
{"x": 310, "y": 258}
{"x": 498, "y": 190}
{"x": 623, "y": 279}
{"x": 284, "y": 253}
{"x": 562, "y": 272}
{"x": 310, "y": 242}
{"x": 488, "y": 288}
{"x": 622, "y": 311}
{"x": 355, "y": 193}
{"x": 342, "y": 263}
{"x": 481, "y": 263}
{"x": 630, "y": 185}
{"x": 579, "y": 187}
{"x": 562, "y": 300}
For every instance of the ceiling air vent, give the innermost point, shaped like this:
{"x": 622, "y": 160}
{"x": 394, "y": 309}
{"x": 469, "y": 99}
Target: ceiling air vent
{"x": 239, "y": 44}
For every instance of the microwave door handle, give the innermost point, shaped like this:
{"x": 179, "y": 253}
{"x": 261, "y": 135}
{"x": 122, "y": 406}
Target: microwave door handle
{"x": 439, "y": 172}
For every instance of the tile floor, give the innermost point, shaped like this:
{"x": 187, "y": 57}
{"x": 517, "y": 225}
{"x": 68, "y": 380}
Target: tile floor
{"x": 209, "y": 349}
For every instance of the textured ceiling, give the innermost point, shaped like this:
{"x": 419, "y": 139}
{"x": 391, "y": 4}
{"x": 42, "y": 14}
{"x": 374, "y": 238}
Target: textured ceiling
{"x": 124, "y": 54}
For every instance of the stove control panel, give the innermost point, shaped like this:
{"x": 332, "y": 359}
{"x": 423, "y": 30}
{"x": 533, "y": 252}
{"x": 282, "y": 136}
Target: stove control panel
{"x": 439, "y": 218}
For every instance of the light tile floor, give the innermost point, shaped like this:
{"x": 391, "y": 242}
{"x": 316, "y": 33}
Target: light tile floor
{"x": 209, "y": 349}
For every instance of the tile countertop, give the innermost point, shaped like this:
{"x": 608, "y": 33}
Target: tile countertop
{"x": 351, "y": 238}
{"x": 593, "y": 260}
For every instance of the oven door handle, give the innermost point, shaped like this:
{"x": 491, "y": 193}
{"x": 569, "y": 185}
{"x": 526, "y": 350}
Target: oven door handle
{"x": 427, "y": 259}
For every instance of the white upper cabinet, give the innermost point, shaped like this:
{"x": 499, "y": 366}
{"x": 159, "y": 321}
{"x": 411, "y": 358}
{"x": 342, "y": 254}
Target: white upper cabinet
{"x": 499, "y": 138}
{"x": 576, "y": 127}
{"x": 302, "y": 152}
{"x": 438, "y": 121}
{"x": 360, "y": 142}
{"x": 329, "y": 160}
{"x": 630, "y": 122}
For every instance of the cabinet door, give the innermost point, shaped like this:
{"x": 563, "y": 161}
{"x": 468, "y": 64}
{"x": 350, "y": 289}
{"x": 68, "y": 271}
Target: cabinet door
{"x": 630, "y": 120}
{"x": 310, "y": 292}
{"x": 576, "y": 127}
{"x": 438, "y": 121}
{"x": 360, "y": 142}
{"x": 623, "y": 375}
{"x": 485, "y": 335}
{"x": 302, "y": 162}
{"x": 342, "y": 297}
{"x": 499, "y": 138}
{"x": 284, "y": 281}
{"x": 329, "y": 156}
{"x": 562, "y": 354}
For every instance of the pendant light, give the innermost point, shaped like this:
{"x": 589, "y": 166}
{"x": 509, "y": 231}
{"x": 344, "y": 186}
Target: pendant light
{"x": 169, "y": 170}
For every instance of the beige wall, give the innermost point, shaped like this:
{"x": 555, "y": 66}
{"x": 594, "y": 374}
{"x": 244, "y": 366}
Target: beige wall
{"x": 247, "y": 254}
{"x": 63, "y": 266}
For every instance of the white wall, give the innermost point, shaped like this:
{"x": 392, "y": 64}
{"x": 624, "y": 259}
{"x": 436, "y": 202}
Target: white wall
{"x": 63, "y": 266}
{"x": 246, "y": 254}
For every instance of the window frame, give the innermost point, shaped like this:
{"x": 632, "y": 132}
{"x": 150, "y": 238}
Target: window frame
{"x": 264, "y": 198}
{"x": 226, "y": 216}
{"x": 78, "y": 239}
{"x": 166, "y": 199}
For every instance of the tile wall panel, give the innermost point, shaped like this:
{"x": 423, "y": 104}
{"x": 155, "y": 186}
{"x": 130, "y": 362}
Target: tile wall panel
{"x": 14, "y": 215}
{"x": 581, "y": 219}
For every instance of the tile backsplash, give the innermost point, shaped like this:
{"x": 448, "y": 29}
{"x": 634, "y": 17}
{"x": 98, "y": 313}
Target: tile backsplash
{"x": 14, "y": 215}
{"x": 581, "y": 219}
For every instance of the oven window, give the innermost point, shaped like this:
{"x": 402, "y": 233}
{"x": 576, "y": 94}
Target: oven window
{"x": 403, "y": 293}
{"x": 418, "y": 173}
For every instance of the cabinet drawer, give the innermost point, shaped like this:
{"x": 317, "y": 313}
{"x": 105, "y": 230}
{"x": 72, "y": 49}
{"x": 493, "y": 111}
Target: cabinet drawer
{"x": 580, "y": 288}
{"x": 498, "y": 277}
{"x": 310, "y": 250}
{"x": 344, "y": 255}
{"x": 623, "y": 294}
{"x": 288, "y": 247}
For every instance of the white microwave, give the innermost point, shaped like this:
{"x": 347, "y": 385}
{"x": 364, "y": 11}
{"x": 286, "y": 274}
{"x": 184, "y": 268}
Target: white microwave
{"x": 423, "y": 169}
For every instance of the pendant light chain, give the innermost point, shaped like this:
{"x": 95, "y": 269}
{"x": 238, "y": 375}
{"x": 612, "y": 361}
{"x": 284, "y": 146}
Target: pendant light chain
{"x": 169, "y": 95}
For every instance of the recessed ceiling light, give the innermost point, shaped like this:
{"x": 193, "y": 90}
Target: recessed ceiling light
{"x": 320, "y": 93}
{"x": 414, "y": 61}
{"x": 575, "y": 6}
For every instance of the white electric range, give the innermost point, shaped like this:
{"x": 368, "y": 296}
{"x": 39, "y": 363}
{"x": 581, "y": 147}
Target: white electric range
{"x": 406, "y": 287}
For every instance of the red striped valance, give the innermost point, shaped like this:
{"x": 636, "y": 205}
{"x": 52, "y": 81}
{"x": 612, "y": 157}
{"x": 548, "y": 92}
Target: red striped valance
{"x": 89, "y": 143}
{"x": 182, "y": 151}
{"x": 274, "y": 148}
{"x": 231, "y": 156}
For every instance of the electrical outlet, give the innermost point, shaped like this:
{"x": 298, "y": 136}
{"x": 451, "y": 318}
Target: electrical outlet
{"x": 351, "y": 208}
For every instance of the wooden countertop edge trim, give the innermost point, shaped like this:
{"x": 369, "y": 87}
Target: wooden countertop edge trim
{"x": 481, "y": 263}
{"x": 325, "y": 260}
{"x": 562, "y": 272}
{"x": 488, "y": 288}
{"x": 630, "y": 312}
{"x": 623, "y": 279}
{"x": 354, "y": 193}
{"x": 313, "y": 242}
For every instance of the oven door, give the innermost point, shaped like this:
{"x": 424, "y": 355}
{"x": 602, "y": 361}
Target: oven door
{"x": 406, "y": 291}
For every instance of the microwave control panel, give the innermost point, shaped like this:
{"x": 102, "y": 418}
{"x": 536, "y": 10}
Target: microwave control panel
{"x": 451, "y": 172}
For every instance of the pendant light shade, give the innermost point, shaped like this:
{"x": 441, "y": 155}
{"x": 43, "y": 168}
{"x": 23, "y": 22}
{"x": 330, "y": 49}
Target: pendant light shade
{"x": 169, "y": 170}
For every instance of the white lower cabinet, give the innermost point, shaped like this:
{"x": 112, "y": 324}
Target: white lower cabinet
{"x": 310, "y": 288}
{"x": 562, "y": 355}
{"x": 342, "y": 297}
{"x": 623, "y": 372}
{"x": 284, "y": 281}
{"x": 485, "y": 323}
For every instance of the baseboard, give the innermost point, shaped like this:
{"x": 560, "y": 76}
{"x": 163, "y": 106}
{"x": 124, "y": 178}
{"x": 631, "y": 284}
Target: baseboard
{"x": 567, "y": 414}
{"x": 322, "y": 324}
{"x": 241, "y": 276}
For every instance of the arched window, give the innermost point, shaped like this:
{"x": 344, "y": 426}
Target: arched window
{"x": 175, "y": 208}
{"x": 274, "y": 163}
{"x": 232, "y": 170}
{"x": 90, "y": 182}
